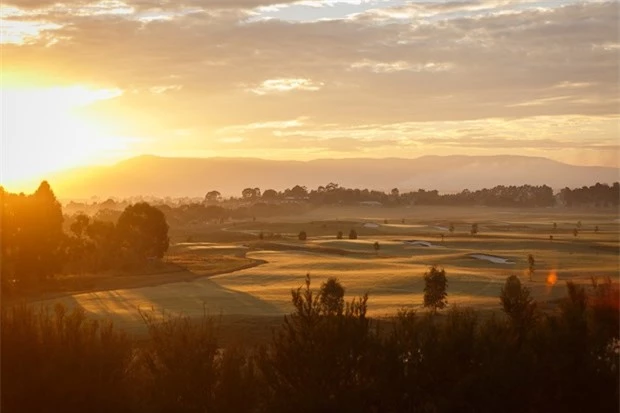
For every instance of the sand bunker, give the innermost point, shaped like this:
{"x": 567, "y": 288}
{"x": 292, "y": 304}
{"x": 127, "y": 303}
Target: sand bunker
{"x": 420, "y": 243}
{"x": 216, "y": 247}
{"x": 371, "y": 225}
{"x": 492, "y": 258}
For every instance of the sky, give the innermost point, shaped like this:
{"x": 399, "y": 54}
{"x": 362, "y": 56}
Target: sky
{"x": 95, "y": 82}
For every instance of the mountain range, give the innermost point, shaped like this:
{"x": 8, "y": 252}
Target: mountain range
{"x": 180, "y": 177}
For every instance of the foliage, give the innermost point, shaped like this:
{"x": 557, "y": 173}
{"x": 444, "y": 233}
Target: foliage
{"x": 339, "y": 235}
{"x": 317, "y": 361}
{"x": 435, "y": 288}
{"x": 474, "y": 229}
{"x": 518, "y": 305}
{"x": 331, "y": 297}
{"x": 353, "y": 234}
{"x": 143, "y": 231}
{"x": 62, "y": 361}
{"x": 183, "y": 368}
{"x": 302, "y": 236}
{"x": 31, "y": 238}
{"x": 324, "y": 357}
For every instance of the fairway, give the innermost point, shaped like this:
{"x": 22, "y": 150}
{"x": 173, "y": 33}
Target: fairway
{"x": 476, "y": 265}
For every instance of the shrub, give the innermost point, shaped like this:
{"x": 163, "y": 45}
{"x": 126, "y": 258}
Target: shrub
{"x": 474, "y": 229}
{"x": 331, "y": 297}
{"x": 61, "y": 361}
{"x": 435, "y": 288}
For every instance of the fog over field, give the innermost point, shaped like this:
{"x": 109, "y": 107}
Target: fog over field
{"x": 163, "y": 177}
{"x": 477, "y": 266}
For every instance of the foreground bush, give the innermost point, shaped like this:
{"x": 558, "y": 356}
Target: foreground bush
{"x": 326, "y": 357}
{"x": 59, "y": 361}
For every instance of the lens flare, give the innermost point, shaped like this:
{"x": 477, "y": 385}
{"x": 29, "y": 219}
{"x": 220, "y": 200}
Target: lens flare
{"x": 552, "y": 278}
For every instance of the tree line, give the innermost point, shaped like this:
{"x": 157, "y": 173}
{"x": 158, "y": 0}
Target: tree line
{"x": 598, "y": 195}
{"x": 327, "y": 356}
{"x": 35, "y": 247}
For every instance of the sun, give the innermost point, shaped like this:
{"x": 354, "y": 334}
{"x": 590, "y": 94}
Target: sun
{"x": 42, "y": 132}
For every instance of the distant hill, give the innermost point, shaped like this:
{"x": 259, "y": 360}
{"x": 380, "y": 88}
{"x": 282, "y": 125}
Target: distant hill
{"x": 161, "y": 177}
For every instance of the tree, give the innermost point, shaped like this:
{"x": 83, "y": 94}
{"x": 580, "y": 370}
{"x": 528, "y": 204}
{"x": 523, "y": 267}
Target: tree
{"x": 79, "y": 225}
{"x": 331, "y": 297}
{"x": 302, "y": 236}
{"x": 32, "y": 235}
{"x": 474, "y": 229}
{"x": 555, "y": 225}
{"x": 596, "y": 229}
{"x": 213, "y": 196}
{"x": 353, "y": 234}
{"x": 270, "y": 194}
{"x": 376, "y": 246}
{"x": 530, "y": 262}
{"x": 517, "y": 304}
{"x": 579, "y": 224}
{"x": 247, "y": 193}
{"x": 143, "y": 230}
{"x": 435, "y": 289}
{"x": 298, "y": 192}
{"x": 339, "y": 235}
{"x": 575, "y": 232}
{"x": 451, "y": 229}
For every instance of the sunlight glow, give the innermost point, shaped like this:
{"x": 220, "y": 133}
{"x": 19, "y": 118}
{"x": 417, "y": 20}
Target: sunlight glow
{"x": 42, "y": 133}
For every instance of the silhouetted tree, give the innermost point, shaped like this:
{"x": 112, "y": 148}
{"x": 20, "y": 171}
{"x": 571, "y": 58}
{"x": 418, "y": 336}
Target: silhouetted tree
{"x": 213, "y": 196}
{"x": 451, "y": 229}
{"x": 575, "y": 232}
{"x": 435, "y": 288}
{"x": 331, "y": 297}
{"x": 518, "y": 305}
{"x": 339, "y": 235}
{"x": 302, "y": 236}
{"x": 353, "y": 234}
{"x": 474, "y": 229}
{"x": 270, "y": 194}
{"x": 143, "y": 230}
{"x": 251, "y": 193}
{"x": 376, "y": 246}
{"x": 79, "y": 225}
{"x": 32, "y": 237}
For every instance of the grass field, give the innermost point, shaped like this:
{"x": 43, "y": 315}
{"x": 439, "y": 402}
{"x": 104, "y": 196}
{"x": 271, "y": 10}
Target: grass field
{"x": 392, "y": 276}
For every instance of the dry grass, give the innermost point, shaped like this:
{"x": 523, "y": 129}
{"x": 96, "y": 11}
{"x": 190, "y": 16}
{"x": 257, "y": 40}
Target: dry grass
{"x": 393, "y": 277}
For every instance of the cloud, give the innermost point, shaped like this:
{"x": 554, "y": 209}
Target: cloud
{"x": 506, "y": 68}
{"x": 285, "y": 85}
